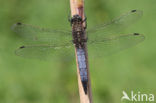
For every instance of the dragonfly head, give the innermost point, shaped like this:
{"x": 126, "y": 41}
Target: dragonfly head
{"x": 76, "y": 18}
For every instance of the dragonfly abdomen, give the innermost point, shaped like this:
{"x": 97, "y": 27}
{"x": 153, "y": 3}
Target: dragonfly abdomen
{"x": 82, "y": 67}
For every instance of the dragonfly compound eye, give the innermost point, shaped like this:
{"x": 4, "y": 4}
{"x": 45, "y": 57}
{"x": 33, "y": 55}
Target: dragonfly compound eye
{"x": 79, "y": 19}
{"x": 76, "y": 18}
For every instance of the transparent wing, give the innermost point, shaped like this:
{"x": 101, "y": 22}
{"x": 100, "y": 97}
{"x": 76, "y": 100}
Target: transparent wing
{"x": 114, "y": 44}
{"x": 36, "y": 35}
{"x": 115, "y": 26}
{"x": 45, "y": 52}
{"x": 44, "y": 44}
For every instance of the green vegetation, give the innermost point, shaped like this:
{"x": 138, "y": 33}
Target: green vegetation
{"x": 33, "y": 81}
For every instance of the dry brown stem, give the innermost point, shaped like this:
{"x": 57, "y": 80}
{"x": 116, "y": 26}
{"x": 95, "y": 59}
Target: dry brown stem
{"x": 77, "y": 7}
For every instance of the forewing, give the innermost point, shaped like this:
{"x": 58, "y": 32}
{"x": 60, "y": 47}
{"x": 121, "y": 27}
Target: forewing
{"x": 107, "y": 46}
{"x": 115, "y": 26}
{"x": 36, "y": 35}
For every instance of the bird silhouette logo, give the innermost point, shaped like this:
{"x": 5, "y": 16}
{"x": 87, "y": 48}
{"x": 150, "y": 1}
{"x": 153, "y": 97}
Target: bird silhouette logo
{"x": 125, "y": 96}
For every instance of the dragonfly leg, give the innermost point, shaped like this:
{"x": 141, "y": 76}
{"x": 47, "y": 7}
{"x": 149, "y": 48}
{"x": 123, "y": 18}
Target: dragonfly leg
{"x": 70, "y": 19}
{"x": 85, "y": 20}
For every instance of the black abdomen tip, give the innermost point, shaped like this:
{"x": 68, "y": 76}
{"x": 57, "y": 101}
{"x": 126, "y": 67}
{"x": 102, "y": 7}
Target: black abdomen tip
{"x": 136, "y": 34}
{"x": 84, "y": 83}
{"x": 133, "y": 11}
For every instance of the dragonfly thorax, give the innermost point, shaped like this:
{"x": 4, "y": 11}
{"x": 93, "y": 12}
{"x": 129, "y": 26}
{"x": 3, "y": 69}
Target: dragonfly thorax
{"x": 78, "y": 31}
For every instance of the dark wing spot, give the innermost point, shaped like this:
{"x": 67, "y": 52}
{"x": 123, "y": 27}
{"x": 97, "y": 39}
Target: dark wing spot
{"x": 22, "y": 47}
{"x": 133, "y": 11}
{"x": 136, "y": 34}
{"x": 19, "y": 23}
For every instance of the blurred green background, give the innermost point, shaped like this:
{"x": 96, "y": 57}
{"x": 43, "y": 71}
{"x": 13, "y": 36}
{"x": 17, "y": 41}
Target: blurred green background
{"x": 32, "y": 81}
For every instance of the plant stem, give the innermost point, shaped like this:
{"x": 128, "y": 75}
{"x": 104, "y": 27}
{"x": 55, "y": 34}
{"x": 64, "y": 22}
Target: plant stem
{"x": 77, "y": 7}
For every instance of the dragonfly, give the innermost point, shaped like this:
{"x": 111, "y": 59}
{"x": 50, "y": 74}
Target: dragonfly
{"x": 103, "y": 39}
